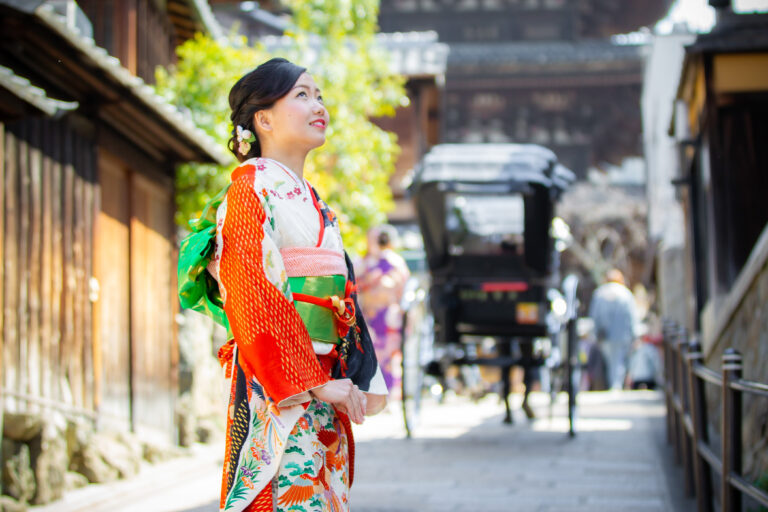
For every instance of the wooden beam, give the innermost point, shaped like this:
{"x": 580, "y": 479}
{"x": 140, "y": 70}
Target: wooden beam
{"x": 111, "y": 141}
{"x": 184, "y": 23}
{"x": 62, "y": 69}
{"x": 180, "y": 8}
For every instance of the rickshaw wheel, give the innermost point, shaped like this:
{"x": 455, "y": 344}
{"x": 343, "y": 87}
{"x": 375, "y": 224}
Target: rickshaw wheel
{"x": 572, "y": 375}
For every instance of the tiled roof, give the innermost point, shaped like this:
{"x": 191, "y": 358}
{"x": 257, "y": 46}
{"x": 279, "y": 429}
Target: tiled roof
{"x": 545, "y": 53}
{"x": 413, "y": 53}
{"x": 22, "y": 88}
{"x": 141, "y": 91}
{"x": 493, "y": 163}
{"x": 734, "y": 33}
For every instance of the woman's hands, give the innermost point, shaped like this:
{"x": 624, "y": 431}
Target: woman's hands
{"x": 346, "y": 396}
{"x": 375, "y": 404}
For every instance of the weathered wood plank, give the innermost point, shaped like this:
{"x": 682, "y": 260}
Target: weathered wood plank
{"x": 10, "y": 268}
{"x": 22, "y": 309}
{"x": 152, "y": 332}
{"x": 57, "y": 262}
{"x": 78, "y": 348}
{"x": 170, "y": 209}
{"x": 112, "y": 269}
{"x": 69, "y": 356}
{"x": 88, "y": 232}
{"x": 35, "y": 270}
{"x": 96, "y": 293}
{"x": 2, "y": 283}
{"x": 46, "y": 277}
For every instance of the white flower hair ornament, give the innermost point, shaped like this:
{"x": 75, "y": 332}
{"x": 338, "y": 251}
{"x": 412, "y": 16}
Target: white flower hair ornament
{"x": 244, "y": 139}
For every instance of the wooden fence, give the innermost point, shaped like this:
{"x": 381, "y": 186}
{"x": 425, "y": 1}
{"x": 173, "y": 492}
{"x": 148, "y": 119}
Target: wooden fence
{"x": 86, "y": 278}
{"x": 49, "y": 199}
{"x": 688, "y": 423}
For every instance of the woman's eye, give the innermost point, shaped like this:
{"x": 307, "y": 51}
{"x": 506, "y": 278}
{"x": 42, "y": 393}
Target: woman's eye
{"x": 320, "y": 99}
{"x": 302, "y": 93}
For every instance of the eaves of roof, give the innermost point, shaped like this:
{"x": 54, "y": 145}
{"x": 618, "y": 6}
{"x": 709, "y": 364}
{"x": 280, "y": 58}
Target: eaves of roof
{"x": 413, "y": 54}
{"x": 207, "y": 18}
{"x": 543, "y": 54}
{"x": 734, "y": 33}
{"x": 141, "y": 97}
{"x": 34, "y": 96}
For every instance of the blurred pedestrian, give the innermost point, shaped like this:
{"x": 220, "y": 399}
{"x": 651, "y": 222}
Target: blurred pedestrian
{"x": 614, "y": 314}
{"x": 591, "y": 357}
{"x": 382, "y": 275}
{"x": 644, "y": 364}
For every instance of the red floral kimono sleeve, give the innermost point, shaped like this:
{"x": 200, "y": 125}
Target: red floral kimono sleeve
{"x": 273, "y": 344}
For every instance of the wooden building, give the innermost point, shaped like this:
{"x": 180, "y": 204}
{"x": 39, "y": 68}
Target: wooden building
{"x": 721, "y": 124}
{"x": 87, "y": 159}
{"x": 421, "y": 58}
{"x": 721, "y": 127}
{"x": 541, "y": 71}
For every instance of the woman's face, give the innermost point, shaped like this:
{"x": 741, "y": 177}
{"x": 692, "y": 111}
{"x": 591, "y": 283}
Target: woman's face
{"x": 299, "y": 119}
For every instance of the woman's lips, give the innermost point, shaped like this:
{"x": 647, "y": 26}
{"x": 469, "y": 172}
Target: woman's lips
{"x": 319, "y": 123}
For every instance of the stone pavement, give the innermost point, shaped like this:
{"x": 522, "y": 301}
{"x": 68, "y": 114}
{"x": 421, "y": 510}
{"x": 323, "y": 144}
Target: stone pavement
{"x": 462, "y": 459}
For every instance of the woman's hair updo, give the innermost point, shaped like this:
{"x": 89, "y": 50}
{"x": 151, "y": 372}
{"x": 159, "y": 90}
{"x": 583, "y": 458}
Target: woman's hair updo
{"x": 259, "y": 90}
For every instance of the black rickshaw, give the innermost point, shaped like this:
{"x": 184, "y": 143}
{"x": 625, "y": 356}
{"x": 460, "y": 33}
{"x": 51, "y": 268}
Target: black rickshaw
{"x": 485, "y": 213}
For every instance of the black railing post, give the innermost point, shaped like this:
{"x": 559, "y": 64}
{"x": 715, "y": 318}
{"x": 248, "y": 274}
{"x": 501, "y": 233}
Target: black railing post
{"x": 666, "y": 345}
{"x": 698, "y": 405}
{"x": 674, "y": 366}
{"x": 684, "y": 434}
{"x": 571, "y": 361}
{"x": 731, "y": 431}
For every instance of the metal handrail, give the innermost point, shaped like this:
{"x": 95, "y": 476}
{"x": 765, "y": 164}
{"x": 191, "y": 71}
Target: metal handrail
{"x": 708, "y": 374}
{"x": 747, "y": 386}
{"x": 748, "y": 489}
{"x": 710, "y": 456}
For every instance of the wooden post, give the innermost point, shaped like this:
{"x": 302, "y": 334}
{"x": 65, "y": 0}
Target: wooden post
{"x": 572, "y": 360}
{"x": 2, "y": 286}
{"x": 698, "y": 404}
{"x": 666, "y": 344}
{"x": 683, "y": 435}
{"x": 731, "y": 431}
{"x": 675, "y": 383}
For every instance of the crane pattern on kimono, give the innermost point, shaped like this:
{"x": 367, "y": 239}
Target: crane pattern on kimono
{"x": 314, "y": 474}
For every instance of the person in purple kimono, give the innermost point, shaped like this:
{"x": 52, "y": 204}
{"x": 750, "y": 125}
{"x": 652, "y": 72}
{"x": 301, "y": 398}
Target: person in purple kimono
{"x": 382, "y": 277}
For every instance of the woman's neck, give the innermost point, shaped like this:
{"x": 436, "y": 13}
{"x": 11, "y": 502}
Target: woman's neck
{"x": 291, "y": 159}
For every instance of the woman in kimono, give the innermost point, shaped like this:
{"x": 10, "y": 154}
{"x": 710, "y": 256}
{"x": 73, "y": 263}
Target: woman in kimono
{"x": 266, "y": 260}
{"x": 381, "y": 280}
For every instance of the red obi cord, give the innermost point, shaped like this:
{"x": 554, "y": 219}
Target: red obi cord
{"x": 343, "y": 309}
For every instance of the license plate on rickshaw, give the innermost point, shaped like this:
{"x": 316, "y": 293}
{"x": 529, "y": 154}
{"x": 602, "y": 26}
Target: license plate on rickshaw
{"x": 527, "y": 313}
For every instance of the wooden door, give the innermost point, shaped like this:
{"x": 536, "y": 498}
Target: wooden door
{"x": 152, "y": 299}
{"x": 112, "y": 326}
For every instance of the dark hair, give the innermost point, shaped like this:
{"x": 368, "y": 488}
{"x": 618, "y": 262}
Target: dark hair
{"x": 384, "y": 239}
{"x": 259, "y": 90}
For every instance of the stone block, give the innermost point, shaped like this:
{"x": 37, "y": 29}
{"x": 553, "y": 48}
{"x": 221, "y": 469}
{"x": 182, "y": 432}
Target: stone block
{"x": 88, "y": 461}
{"x": 21, "y": 426}
{"x": 50, "y": 462}
{"x": 18, "y": 476}
{"x": 8, "y": 504}
{"x": 73, "y": 480}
